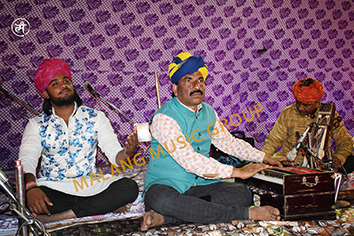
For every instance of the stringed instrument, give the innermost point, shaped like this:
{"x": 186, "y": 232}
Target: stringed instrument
{"x": 316, "y": 149}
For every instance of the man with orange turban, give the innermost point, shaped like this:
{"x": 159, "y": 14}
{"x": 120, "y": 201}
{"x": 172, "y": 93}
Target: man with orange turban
{"x": 298, "y": 116}
{"x": 66, "y": 137}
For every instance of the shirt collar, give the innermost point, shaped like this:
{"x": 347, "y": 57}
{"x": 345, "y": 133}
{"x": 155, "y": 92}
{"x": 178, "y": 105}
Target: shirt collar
{"x": 74, "y": 112}
{"x": 199, "y": 107}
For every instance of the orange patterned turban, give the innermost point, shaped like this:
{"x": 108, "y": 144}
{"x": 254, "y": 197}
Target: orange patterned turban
{"x": 308, "y": 90}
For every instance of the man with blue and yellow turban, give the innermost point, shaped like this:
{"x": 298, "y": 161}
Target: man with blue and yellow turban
{"x": 182, "y": 182}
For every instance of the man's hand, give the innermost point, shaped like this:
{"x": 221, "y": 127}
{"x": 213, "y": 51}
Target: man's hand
{"x": 132, "y": 142}
{"x": 249, "y": 170}
{"x": 36, "y": 201}
{"x": 275, "y": 161}
{"x": 130, "y": 147}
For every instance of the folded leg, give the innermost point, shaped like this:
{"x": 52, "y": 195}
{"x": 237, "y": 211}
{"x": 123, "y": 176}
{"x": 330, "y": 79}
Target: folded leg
{"x": 190, "y": 207}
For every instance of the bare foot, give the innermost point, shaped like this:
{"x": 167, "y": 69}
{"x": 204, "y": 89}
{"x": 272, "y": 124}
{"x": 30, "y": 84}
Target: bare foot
{"x": 123, "y": 209}
{"x": 151, "y": 219}
{"x": 56, "y": 217}
{"x": 264, "y": 213}
{"x": 44, "y": 218}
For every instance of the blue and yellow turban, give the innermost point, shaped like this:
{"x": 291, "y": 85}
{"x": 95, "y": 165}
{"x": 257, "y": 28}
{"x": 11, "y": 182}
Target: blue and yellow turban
{"x": 186, "y": 64}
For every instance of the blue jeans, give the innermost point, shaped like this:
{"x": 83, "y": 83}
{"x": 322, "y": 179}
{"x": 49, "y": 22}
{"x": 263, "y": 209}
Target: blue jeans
{"x": 213, "y": 203}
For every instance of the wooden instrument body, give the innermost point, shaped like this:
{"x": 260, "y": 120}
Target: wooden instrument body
{"x": 324, "y": 125}
{"x": 317, "y": 150}
{"x": 309, "y": 195}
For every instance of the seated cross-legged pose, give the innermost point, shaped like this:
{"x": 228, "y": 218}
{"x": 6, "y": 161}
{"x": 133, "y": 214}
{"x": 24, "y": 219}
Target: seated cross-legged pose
{"x": 182, "y": 183}
{"x": 297, "y": 117}
{"x": 66, "y": 137}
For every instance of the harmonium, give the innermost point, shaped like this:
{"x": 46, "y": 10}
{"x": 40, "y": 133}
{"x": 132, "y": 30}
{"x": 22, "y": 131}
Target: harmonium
{"x": 299, "y": 193}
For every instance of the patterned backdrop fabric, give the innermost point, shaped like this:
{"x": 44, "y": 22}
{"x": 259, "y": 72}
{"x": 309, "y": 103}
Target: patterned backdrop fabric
{"x": 255, "y": 51}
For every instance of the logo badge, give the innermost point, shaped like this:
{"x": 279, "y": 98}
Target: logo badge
{"x": 20, "y": 27}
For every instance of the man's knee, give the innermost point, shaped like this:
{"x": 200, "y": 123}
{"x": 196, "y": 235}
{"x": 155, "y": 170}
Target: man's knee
{"x": 236, "y": 187}
{"x": 159, "y": 197}
{"x": 245, "y": 191}
{"x": 130, "y": 187}
{"x": 240, "y": 191}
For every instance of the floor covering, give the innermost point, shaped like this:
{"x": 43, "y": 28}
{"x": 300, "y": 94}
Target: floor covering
{"x": 129, "y": 223}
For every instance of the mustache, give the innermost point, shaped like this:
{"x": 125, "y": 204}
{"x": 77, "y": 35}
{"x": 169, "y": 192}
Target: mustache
{"x": 65, "y": 89}
{"x": 196, "y": 91}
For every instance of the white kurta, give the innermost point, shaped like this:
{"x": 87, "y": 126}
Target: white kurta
{"x": 69, "y": 151}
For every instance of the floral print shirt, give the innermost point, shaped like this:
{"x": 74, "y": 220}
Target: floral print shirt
{"x": 68, "y": 151}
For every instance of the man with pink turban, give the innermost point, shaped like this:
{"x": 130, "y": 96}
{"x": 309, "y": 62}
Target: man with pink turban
{"x": 298, "y": 116}
{"x": 66, "y": 137}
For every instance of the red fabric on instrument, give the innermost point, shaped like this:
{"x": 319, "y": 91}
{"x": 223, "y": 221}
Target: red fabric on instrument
{"x": 297, "y": 170}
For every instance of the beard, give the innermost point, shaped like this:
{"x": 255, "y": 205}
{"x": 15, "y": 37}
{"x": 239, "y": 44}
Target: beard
{"x": 48, "y": 103}
{"x": 60, "y": 102}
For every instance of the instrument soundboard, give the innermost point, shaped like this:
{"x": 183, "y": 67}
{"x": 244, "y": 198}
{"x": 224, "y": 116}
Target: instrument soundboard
{"x": 299, "y": 193}
{"x": 277, "y": 174}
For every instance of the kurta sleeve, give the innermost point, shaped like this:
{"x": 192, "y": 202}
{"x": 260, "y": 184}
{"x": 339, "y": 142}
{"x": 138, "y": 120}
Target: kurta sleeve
{"x": 107, "y": 139}
{"x": 276, "y": 137}
{"x": 343, "y": 141}
{"x": 31, "y": 148}
{"x": 224, "y": 141}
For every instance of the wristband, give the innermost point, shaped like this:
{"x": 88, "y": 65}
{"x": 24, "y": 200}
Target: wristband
{"x": 30, "y": 184}
{"x": 31, "y": 188}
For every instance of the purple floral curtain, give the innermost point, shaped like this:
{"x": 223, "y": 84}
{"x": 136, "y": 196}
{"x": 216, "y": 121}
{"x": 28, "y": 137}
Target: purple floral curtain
{"x": 255, "y": 51}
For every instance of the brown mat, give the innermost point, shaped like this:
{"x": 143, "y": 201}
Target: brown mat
{"x": 118, "y": 227}
{"x": 344, "y": 225}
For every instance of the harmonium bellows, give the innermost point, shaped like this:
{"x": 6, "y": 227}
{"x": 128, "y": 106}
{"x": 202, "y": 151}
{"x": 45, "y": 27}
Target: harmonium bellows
{"x": 299, "y": 193}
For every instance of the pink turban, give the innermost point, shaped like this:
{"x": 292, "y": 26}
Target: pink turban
{"x": 47, "y": 70}
{"x": 308, "y": 90}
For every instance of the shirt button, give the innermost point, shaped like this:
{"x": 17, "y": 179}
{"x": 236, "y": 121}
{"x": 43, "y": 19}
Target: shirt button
{"x": 200, "y": 134}
{"x": 198, "y": 148}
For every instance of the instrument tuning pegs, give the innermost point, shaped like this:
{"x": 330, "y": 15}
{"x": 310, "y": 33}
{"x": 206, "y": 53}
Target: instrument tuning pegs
{"x": 337, "y": 121}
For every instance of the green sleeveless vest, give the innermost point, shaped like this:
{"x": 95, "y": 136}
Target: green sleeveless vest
{"x": 197, "y": 129}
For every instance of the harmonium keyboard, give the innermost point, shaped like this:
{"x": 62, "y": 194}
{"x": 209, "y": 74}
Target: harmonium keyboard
{"x": 299, "y": 193}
